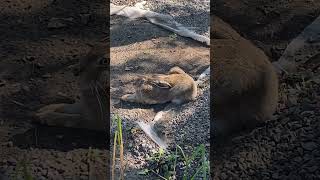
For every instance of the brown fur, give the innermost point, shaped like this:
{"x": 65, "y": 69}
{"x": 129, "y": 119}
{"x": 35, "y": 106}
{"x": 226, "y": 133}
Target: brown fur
{"x": 244, "y": 83}
{"x": 91, "y": 111}
{"x": 176, "y": 86}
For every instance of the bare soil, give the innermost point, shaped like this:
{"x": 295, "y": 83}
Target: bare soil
{"x": 288, "y": 147}
{"x": 39, "y": 41}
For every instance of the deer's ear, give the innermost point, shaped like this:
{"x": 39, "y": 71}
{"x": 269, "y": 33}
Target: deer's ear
{"x": 161, "y": 84}
{"x": 176, "y": 70}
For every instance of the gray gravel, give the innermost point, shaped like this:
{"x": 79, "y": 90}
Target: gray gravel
{"x": 193, "y": 14}
{"x": 189, "y": 125}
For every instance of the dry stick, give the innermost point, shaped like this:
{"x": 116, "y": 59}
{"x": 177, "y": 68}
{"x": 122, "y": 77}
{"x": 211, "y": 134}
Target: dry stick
{"x": 158, "y": 175}
{"x": 19, "y": 103}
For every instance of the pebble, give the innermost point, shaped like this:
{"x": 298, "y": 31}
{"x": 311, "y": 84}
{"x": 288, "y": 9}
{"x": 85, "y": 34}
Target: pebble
{"x": 47, "y": 75}
{"x": 2, "y": 83}
{"x": 10, "y": 144}
{"x": 56, "y": 23}
{"x": 309, "y": 146}
{"x": 85, "y": 18}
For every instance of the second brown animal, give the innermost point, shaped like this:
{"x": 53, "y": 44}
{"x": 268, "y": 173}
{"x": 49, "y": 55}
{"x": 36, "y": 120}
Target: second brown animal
{"x": 244, "y": 83}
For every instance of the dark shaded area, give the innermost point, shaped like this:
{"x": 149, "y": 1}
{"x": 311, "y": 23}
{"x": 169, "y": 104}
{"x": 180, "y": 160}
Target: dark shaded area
{"x": 61, "y": 139}
{"x": 271, "y": 25}
{"x": 128, "y": 105}
{"x": 39, "y": 41}
{"x": 287, "y": 147}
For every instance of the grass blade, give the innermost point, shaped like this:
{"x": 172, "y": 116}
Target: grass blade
{"x": 114, "y": 154}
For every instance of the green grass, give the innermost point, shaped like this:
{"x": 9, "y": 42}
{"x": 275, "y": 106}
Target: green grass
{"x": 23, "y": 170}
{"x": 165, "y": 164}
{"x": 173, "y": 37}
{"x": 117, "y": 142}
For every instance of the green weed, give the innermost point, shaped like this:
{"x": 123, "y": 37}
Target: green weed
{"x": 23, "y": 170}
{"x": 165, "y": 164}
{"x": 118, "y": 141}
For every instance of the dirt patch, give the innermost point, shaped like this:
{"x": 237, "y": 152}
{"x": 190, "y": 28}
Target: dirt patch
{"x": 39, "y": 41}
{"x": 288, "y": 147}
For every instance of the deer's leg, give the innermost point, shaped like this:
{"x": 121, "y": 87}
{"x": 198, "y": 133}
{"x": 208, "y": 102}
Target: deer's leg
{"x": 65, "y": 115}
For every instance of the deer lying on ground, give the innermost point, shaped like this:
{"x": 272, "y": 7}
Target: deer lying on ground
{"x": 91, "y": 111}
{"x": 176, "y": 86}
{"x": 244, "y": 83}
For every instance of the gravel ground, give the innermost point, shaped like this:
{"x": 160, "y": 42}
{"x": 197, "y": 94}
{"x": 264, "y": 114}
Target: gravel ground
{"x": 188, "y": 124}
{"x": 141, "y": 48}
{"x": 39, "y": 40}
{"x": 193, "y": 14}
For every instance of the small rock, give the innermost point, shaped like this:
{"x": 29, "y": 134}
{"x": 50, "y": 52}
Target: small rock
{"x": 26, "y": 88}
{"x": 312, "y": 169}
{"x": 2, "y": 83}
{"x": 300, "y": 150}
{"x": 11, "y": 161}
{"x": 297, "y": 159}
{"x": 28, "y": 58}
{"x": 83, "y": 167}
{"x": 56, "y": 23}
{"x": 59, "y": 136}
{"x": 69, "y": 156}
{"x": 62, "y": 94}
{"x": 316, "y": 79}
{"x": 128, "y": 68}
{"x": 307, "y": 113}
{"x": 61, "y": 171}
{"x": 292, "y": 100}
{"x": 313, "y": 39}
{"x": 309, "y": 146}
{"x": 275, "y": 176}
{"x": 85, "y": 18}
{"x": 38, "y": 65}
{"x": 47, "y": 76}
{"x": 10, "y": 144}
{"x": 223, "y": 176}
